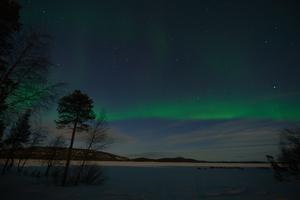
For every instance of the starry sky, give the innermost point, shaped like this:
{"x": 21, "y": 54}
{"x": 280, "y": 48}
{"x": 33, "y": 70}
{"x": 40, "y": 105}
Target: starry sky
{"x": 211, "y": 80}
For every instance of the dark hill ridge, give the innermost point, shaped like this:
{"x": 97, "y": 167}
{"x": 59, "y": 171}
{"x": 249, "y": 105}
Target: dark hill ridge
{"x": 189, "y": 160}
{"x": 77, "y": 154}
{"x": 176, "y": 159}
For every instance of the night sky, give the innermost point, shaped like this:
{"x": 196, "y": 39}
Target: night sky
{"x": 209, "y": 79}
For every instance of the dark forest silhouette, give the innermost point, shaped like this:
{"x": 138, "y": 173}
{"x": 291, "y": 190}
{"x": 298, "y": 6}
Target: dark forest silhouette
{"x": 24, "y": 85}
{"x": 25, "y": 89}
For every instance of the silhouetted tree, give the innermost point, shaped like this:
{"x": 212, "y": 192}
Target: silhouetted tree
{"x": 24, "y": 70}
{"x": 288, "y": 165}
{"x": 74, "y": 111}
{"x": 2, "y": 128}
{"x": 95, "y": 139}
{"x": 24, "y": 81}
{"x": 55, "y": 145}
{"x": 18, "y": 137}
{"x": 24, "y": 66}
{"x": 290, "y": 151}
{"x": 36, "y": 138}
{"x": 9, "y": 24}
{"x": 277, "y": 168}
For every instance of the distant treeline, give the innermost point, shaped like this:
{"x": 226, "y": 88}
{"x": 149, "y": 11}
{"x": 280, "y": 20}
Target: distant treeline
{"x": 188, "y": 160}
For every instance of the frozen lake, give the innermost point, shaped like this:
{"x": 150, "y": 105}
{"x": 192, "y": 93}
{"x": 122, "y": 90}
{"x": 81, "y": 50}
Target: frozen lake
{"x": 190, "y": 183}
{"x": 162, "y": 183}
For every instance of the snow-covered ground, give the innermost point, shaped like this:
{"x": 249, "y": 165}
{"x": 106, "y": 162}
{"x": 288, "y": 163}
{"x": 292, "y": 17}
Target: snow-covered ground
{"x": 14, "y": 187}
{"x": 162, "y": 183}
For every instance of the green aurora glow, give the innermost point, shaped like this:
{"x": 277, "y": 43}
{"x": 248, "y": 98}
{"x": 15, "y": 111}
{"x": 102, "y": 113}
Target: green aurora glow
{"x": 134, "y": 52}
{"x": 211, "y": 110}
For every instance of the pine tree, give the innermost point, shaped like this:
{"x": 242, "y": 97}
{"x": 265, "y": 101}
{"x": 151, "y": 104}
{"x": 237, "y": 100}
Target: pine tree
{"x": 20, "y": 132}
{"x": 74, "y": 111}
{"x": 19, "y": 136}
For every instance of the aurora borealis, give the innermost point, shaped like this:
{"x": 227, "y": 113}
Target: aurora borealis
{"x": 200, "y": 66}
{"x": 213, "y": 110}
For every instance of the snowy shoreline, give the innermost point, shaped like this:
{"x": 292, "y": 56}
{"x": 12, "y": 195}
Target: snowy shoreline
{"x": 162, "y": 164}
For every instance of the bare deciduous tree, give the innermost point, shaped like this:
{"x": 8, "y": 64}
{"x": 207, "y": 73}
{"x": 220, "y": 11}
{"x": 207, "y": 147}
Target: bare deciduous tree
{"x": 24, "y": 68}
{"x": 9, "y": 25}
{"x": 24, "y": 81}
{"x": 19, "y": 136}
{"x": 95, "y": 139}
{"x": 37, "y": 137}
{"x": 55, "y": 146}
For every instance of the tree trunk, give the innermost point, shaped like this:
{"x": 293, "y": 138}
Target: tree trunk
{"x": 26, "y": 159}
{"x": 6, "y": 165}
{"x": 83, "y": 163}
{"x": 79, "y": 172}
{"x": 65, "y": 176}
{"x": 23, "y": 164}
{"x": 48, "y": 169}
{"x": 50, "y": 162}
{"x": 19, "y": 165}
